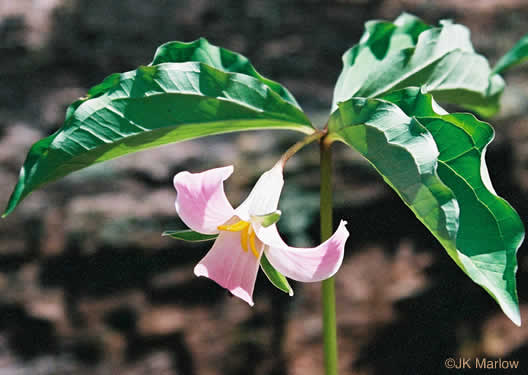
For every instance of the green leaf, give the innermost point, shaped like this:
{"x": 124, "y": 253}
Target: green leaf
{"x": 517, "y": 55}
{"x": 404, "y": 153}
{"x": 440, "y": 60}
{"x": 268, "y": 219}
{"x": 435, "y": 162}
{"x": 168, "y": 101}
{"x": 276, "y": 278}
{"x": 189, "y": 235}
{"x": 219, "y": 58}
{"x": 490, "y": 231}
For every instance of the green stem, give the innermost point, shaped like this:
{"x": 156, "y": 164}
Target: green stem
{"x": 328, "y": 285}
{"x": 318, "y": 134}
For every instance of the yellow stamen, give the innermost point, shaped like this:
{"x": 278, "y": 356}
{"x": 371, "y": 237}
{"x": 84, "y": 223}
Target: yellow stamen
{"x": 237, "y": 227}
{"x": 252, "y": 244}
{"x": 247, "y": 235}
{"x": 244, "y": 238}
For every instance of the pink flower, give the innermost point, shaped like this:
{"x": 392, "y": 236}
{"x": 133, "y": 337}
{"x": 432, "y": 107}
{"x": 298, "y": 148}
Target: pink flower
{"x": 234, "y": 259}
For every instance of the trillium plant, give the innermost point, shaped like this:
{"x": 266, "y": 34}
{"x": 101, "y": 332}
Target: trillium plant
{"x": 387, "y": 106}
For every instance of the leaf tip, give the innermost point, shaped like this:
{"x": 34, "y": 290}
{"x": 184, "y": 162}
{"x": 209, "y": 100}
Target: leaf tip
{"x": 515, "y": 317}
{"x": 10, "y": 207}
{"x": 512, "y": 312}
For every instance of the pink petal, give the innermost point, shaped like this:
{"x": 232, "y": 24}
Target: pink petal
{"x": 201, "y": 202}
{"x": 305, "y": 264}
{"x": 230, "y": 266}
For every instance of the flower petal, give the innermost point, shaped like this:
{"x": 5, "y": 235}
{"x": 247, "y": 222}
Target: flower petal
{"x": 305, "y": 264}
{"x": 264, "y": 197}
{"x": 201, "y": 202}
{"x": 230, "y": 266}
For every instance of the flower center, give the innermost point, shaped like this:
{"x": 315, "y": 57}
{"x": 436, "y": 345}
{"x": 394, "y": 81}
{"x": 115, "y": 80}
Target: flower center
{"x": 247, "y": 235}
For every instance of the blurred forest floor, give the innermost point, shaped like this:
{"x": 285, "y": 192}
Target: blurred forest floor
{"x": 88, "y": 285}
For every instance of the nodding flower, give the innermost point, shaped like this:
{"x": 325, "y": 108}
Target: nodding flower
{"x": 248, "y": 231}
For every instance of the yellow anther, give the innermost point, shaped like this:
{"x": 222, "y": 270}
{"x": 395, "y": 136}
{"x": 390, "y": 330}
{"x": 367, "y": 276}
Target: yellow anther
{"x": 247, "y": 235}
{"x": 244, "y": 238}
{"x": 252, "y": 244}
{"x": 237, "y": 227}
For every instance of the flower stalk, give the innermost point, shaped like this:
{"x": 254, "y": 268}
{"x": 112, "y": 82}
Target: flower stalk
{"x": 328, "y": 285}
{"x": 299, "y": 145}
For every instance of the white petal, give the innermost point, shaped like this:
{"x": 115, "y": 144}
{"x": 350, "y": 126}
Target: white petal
{"x": 264, "y": 198}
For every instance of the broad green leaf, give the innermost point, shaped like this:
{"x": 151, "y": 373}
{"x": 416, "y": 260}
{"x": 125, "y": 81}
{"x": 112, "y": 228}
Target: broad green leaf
{"x": 189, "y": 235}
{"x": 490, "y": 231}
{"x": 440, "y": 60}
{"x": 154, "y": 105}
{"x": 274, "y": 276}
{"x": 404, "y": 153}
{"x": 435, "y": 162}
{"x": 268, "y": 219}
{"x": 517, "y": 55}
{"x": 219, "y": 58}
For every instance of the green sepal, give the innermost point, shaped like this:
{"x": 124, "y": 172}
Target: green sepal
{"x": 274, "y": 276}
{"x": 189, "y": 235}
{"x": 267, "y": 219}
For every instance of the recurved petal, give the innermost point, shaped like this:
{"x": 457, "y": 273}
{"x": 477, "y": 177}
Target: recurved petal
{"x": 264, "y": 197}
{"x": 305, "y": 264}
{"x": 230, "y": 267}
{"x": 201, "y": 202}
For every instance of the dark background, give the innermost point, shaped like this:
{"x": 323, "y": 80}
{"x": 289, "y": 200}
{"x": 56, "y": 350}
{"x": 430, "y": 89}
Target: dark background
{"x": 88, "y": 285}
